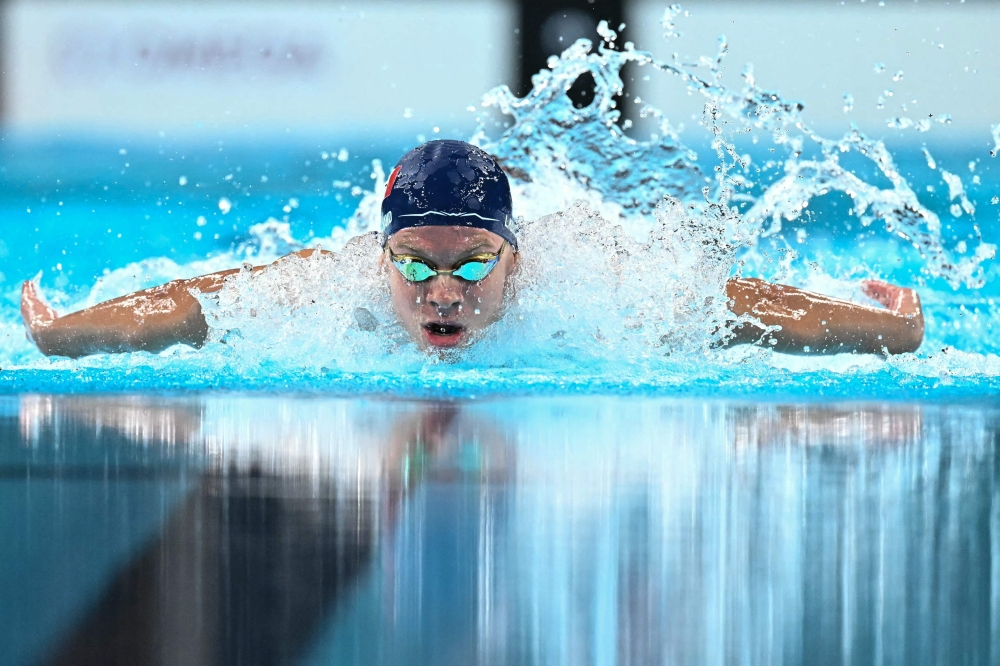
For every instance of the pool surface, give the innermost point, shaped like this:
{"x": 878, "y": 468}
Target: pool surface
{"x": 210, "y": 529}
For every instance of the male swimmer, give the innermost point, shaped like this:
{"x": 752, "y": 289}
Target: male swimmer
{"x": 449, "y": 242}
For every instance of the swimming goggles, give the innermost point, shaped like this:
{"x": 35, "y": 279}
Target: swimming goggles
{"x": 473, "y": 269}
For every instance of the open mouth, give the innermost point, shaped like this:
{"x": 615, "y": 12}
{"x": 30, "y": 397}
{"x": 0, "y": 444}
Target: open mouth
{"x": 443, "y": 335}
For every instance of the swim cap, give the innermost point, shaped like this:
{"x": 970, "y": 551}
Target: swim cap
{"x": 448, "y": 183}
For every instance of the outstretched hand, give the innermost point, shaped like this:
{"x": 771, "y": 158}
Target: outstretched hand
{"x": 895, "y": 299}
{"x": 37, "y": 314}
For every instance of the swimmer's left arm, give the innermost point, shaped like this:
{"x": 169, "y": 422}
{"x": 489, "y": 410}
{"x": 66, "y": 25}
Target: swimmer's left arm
{"x": 815, "y": 324}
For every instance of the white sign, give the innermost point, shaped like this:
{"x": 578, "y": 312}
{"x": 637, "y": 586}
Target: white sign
{"x": 114, "y": 65}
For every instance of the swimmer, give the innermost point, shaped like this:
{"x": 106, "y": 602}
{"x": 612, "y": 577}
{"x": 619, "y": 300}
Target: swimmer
{"x": 448, "y": 240}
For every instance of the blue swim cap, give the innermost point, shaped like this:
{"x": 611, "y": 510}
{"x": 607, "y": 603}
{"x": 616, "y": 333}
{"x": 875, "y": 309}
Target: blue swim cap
{"x": 448, "y": 183}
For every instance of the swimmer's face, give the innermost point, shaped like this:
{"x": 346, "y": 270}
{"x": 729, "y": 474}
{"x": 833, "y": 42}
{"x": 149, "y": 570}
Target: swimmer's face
{"x": 446, "y": 311}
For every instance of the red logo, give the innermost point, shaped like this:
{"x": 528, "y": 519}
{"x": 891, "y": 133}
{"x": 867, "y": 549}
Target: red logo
{"x": 392, "y": 181}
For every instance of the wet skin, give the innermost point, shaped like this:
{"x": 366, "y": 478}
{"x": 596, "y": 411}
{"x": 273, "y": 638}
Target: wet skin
{"x": 446, "y": 311}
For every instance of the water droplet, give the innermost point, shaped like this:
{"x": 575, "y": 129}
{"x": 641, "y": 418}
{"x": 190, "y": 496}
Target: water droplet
{"x": 848, "y": 102}
{"x": 879, "y": 67}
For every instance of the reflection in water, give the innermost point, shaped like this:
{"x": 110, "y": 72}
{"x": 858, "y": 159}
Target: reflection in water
{"x": 526, "y": 531}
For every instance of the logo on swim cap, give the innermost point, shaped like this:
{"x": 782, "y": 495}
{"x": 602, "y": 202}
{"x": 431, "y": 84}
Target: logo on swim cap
{"x": 448, "y": 183}
{"x": 391, "y": 182}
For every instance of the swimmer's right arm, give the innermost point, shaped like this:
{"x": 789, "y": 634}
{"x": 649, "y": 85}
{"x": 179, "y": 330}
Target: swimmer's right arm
{"x": 148, "y": 320}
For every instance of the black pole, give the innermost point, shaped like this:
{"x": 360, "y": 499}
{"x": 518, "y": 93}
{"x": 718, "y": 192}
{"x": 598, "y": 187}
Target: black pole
{"x": 547, "y": 27}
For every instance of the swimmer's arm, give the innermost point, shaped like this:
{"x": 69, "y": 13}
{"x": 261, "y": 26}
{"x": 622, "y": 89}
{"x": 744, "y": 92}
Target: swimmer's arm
{"x": 148, "y": 320}
{"x": 816, "y": 324}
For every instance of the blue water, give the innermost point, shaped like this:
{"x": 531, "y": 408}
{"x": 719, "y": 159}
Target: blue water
{"x": 159, "y": 220}
{"x": 266, "y": 529}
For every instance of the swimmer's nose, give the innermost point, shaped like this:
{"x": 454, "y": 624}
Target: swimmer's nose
{"x": 444, "y": 293}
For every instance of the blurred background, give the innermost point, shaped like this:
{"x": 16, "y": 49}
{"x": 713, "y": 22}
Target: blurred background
{"x": 200, "y": 68}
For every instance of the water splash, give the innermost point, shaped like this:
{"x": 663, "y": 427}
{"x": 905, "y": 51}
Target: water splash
{"x": 584, "y": 151}
{"x": 956, "y": 190}
{"x": 581, "y": 153}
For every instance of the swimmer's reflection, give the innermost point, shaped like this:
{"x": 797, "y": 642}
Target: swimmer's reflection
{"x": 819, "y": 425}
{"x": 255, "y": 561}
{"x": 660, "y": 533}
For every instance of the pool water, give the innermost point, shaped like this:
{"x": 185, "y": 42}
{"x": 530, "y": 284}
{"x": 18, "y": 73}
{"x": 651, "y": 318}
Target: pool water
{"x": 263, "y": 529}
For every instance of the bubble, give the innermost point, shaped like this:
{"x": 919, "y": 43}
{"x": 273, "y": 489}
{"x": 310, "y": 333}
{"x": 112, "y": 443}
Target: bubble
{"x": 225, "y": 205}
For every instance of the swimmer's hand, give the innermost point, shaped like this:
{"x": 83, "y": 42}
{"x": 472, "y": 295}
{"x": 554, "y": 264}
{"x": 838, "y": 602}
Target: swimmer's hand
{"x": 148, "y": 320}
{"x": 35, "y": 312}
{"x": 896, "y": 299}
{"x": 808, "y": 323}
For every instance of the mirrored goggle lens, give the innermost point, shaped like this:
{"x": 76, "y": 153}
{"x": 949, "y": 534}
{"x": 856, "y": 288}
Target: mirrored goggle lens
{"x": 474, "y": 271}
{"x": 415, "y": 271}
